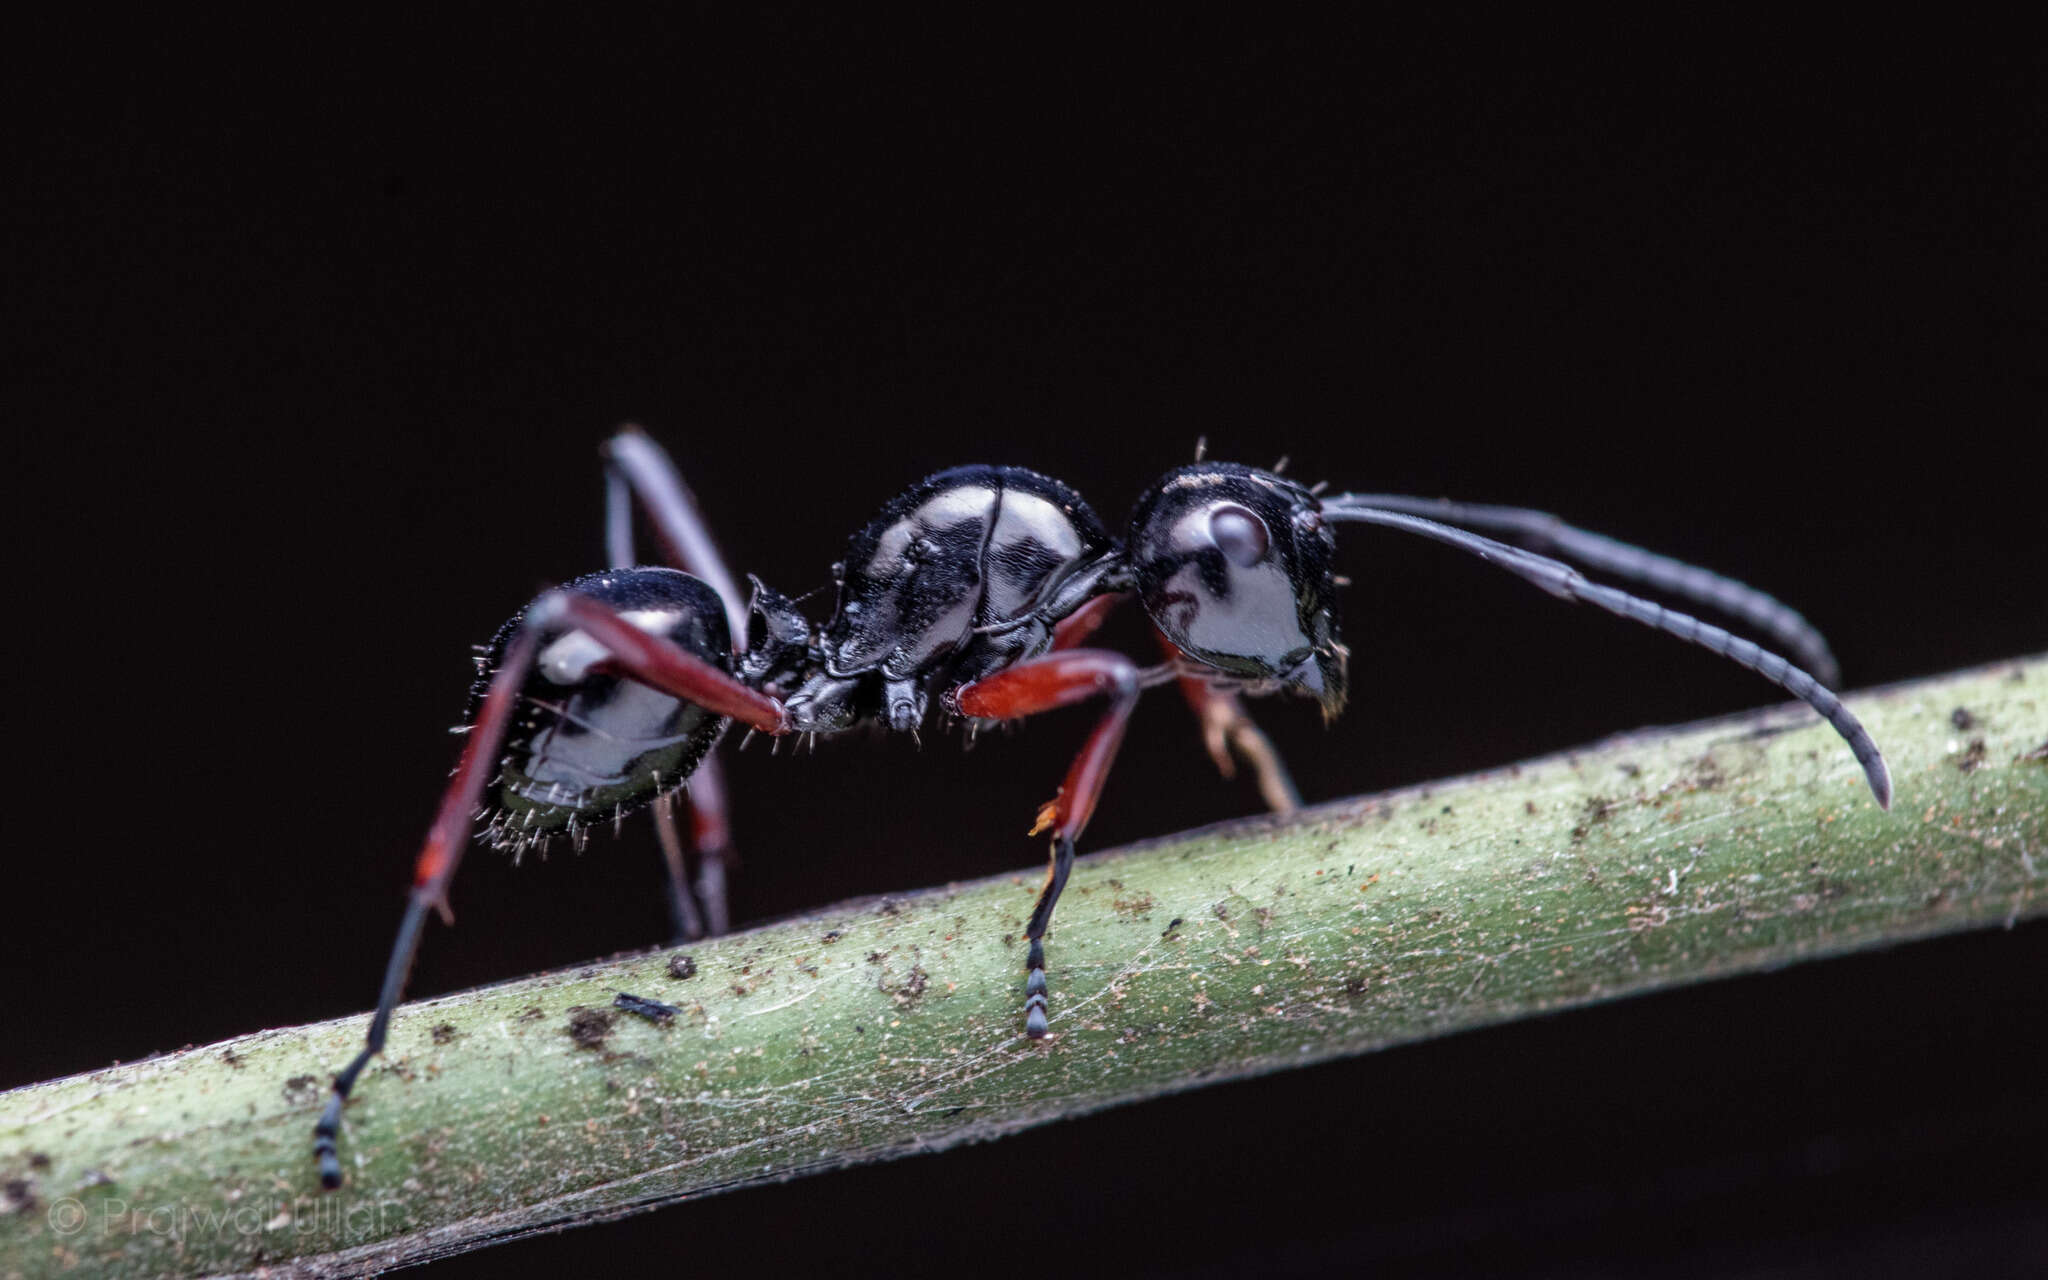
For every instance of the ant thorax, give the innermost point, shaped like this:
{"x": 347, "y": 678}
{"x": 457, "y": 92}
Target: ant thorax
{"x": 950, "y": 583}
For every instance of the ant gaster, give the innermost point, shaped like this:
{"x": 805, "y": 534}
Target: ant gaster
{"x": 976, "y": 587}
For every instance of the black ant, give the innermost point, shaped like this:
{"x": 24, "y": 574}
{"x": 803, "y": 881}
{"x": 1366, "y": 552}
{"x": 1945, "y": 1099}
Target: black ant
{"x": 977, "y": 586}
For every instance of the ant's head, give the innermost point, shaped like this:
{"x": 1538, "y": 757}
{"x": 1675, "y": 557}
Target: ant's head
{"x": 1233, "y": 564}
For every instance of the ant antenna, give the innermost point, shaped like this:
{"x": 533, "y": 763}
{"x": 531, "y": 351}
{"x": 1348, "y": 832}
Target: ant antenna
{"x": 1543, "y": 533}
{"x": 1201, "y": 447}
{"x": 1567, "y": 583}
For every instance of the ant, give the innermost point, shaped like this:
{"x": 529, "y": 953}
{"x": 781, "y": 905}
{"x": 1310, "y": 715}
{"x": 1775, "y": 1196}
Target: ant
{"x": 976, "y": 586}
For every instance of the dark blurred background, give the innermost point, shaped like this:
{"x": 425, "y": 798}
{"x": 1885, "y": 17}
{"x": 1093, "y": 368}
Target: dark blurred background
{"x": 323, "y": 324}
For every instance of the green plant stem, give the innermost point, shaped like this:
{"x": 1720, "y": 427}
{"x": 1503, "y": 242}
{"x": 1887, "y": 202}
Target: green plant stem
{"x": 883, "y": 1028}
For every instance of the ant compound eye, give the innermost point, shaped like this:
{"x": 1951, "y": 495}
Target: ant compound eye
{"x": 1239, "y": 534}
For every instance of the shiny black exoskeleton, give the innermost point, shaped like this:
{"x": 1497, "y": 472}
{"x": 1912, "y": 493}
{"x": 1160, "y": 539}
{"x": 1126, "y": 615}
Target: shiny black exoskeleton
{"x": 963, "y": 575}
{"x": 968, "y": 573}
{"x": 956, "y": 579}
{"x": 1234, "y": 565}
{"x": 970, "y": 592}
{"x": 586, "y": 744}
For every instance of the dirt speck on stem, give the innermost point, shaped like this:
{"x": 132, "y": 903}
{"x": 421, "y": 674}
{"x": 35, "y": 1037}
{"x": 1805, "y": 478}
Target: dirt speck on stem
{"x": 588, "y": 1027}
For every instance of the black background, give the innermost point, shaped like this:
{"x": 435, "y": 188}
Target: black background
{"x": 323, "y": 326}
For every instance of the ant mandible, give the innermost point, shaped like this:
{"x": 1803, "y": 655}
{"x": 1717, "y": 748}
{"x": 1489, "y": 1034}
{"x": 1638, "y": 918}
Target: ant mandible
{"x": 977, "y": 585}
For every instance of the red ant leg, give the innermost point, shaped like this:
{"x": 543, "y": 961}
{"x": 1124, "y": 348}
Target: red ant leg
{"x": 1059, "y": 680}
{"x": 1228, "y": 728}
{"x": 1071, "y": 631}
{"x": 649, "y": 659}
{"x": 662, "y": 665}
{"x": 711, "y": 837}
{"x": 446, "y": 840}
{"x": 710, "y": 842}
{"x": 635, "y": 466}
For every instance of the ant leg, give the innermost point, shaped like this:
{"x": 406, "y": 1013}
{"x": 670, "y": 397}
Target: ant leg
{"x": 689, "y": 922}
{"x": 657, "y": 662}
{"x": 446, "y": 841}
{"x": 1059, "y": 680}
{"x": 1073, "y": 630}
{"x": 1041, "y": 916}
{"x": 711, "y": 837}
{"x": 669, "y": 669}
{"x": 1226, "y": 726}
{"x": 1230, "y": 734}
{"x": 635, "y": 466}
{"x": 635, "y": 654}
